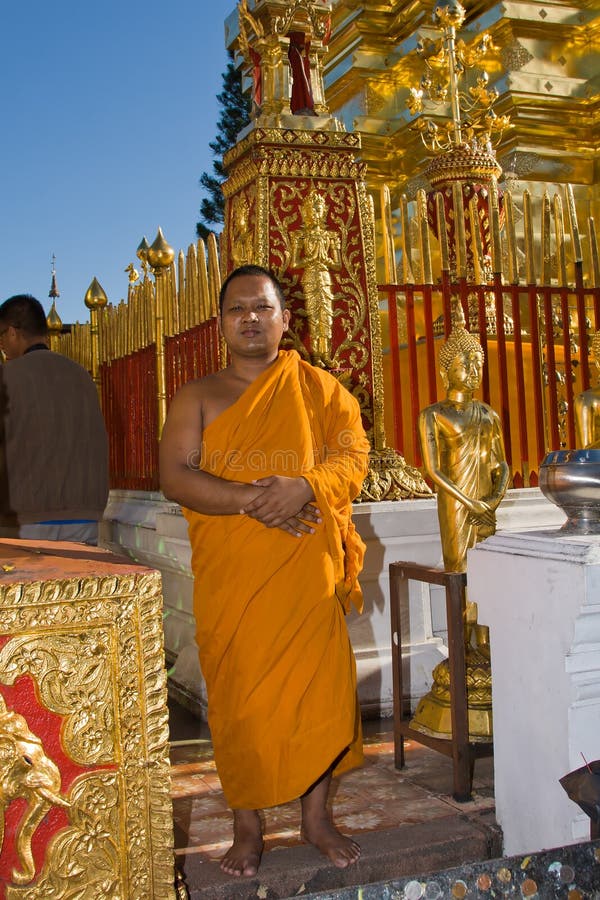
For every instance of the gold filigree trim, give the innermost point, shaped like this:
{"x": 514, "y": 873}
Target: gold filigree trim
{"x": 292, "y": 137}
{"x": 367, "y": 229}
{"x": 391, "y": 478}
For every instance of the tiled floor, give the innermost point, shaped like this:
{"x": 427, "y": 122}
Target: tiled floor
{"x": 375, "y": 798}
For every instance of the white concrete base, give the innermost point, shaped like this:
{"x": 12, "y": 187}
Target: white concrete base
{"x": 540, "y": 594}
{"x": 153, "y": 531}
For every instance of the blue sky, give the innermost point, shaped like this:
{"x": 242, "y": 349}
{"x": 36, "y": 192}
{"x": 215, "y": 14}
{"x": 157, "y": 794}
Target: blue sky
{"x": 107, "y": 112}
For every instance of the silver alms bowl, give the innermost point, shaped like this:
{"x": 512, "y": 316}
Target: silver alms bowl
{"x": 571, "y": 480}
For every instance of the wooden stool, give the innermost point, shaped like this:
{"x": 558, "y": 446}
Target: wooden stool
{"x": 462, "y": 751}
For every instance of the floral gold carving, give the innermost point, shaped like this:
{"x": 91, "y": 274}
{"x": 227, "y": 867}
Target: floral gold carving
{"x": 84, "y": 858}
{"x": 93, "y": 649}
{"x": 391, "y": 478}
{"x": 72, "y": 673}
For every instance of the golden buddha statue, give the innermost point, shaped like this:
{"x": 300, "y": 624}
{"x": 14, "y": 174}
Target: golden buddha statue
{"x": 316, "y": 251}
{"x": 463, "y": 453}
{"x": 587, "y": 408}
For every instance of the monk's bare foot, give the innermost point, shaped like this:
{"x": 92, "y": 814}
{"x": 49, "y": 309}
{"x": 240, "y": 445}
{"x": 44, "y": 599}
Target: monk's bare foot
{"x": 322, "y": 834}
{"x": 243, "y": 857}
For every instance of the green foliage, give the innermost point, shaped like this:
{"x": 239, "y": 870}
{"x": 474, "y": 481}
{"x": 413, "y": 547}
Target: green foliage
{"x": 235, "y": 115}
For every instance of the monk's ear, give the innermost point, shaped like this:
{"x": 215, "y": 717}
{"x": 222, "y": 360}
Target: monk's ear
{"x": 286, "y": 315}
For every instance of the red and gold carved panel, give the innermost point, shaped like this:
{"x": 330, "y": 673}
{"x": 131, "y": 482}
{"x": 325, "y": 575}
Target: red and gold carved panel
{"x": 311, "y": 222}
{"x": 84, "y": 771}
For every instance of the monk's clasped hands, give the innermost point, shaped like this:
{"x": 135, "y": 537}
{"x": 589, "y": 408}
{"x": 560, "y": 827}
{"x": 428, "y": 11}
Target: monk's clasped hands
{"x": 285, "y": 503}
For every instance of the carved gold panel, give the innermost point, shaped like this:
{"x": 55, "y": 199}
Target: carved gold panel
{"x": 85, "y": 809}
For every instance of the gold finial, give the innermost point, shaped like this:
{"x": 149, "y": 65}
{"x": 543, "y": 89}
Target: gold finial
{"x": 450, "y": 14}
{"x": 54, "y": 293}
{"x": 142, "y": 250}
{"x": 53, "y": 320}
{"x": 142, "y": 255}
{"x": 95, "y": 298}
{"x": 160, "y": 254}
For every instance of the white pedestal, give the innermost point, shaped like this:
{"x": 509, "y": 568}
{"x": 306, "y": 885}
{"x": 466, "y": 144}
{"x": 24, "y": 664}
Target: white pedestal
{"x": 153, "y": 531}
{"x": 539, "y": 592}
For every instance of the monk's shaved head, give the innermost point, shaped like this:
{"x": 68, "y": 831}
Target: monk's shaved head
{"x": 255, "y": 272}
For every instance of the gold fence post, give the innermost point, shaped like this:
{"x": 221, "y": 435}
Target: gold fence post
{"x": 160, "y": 257}
{"x": 95, "y": 299}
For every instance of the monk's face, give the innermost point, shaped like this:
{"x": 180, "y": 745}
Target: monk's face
{"x": 252, "y": 320}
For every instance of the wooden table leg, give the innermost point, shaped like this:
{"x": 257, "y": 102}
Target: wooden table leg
{"x": 395, "y": 582}
{"x": 461, "y": 754}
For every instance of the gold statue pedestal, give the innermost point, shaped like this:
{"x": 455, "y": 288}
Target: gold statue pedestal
{"x": 433, "y": 715}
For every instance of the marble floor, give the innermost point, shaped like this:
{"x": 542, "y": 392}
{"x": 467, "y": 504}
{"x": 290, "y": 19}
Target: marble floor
{"x": 375, "y": 798}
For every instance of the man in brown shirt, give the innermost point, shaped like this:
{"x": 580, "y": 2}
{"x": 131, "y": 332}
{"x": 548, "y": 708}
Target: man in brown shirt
{"x": 53, "y": 443}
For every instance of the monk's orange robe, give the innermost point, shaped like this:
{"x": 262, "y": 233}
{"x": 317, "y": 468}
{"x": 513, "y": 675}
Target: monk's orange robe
{"x": 274, "y": 647}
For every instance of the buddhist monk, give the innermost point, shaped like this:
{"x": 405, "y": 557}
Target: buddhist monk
{"x": 265, "y": 457}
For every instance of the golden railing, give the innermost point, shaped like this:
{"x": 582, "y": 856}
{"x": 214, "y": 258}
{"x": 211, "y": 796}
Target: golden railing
{"x": 535, "y": 316}
{"x": 141, "y": 350}
{"x": 535, "y": 303}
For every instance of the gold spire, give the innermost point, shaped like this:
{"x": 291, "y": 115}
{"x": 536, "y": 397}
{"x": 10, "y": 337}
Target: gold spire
{"x": 54, "y": 293}
{"x": 473, "y": 121}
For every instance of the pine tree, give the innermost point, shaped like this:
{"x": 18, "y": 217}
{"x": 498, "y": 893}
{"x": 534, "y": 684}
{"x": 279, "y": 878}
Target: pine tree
{"x": 235, "y": 115}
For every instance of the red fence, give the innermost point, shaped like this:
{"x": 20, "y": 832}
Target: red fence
{"x": 129, "y": 388}
{"x": 535, "y": 340}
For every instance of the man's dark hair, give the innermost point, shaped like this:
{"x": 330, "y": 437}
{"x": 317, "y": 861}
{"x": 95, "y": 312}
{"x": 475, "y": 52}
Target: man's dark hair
{"x": 25, "y": 313}
{"x": 251, "y": 270}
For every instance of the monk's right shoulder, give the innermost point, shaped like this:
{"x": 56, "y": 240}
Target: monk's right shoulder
{"x": 200, "y": 388}
{"x": 206, "y": 397}
{"x": 190, "y": 401}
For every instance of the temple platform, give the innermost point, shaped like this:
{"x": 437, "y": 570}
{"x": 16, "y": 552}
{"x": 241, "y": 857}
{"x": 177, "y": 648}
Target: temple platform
{"x": 406, "y": 822}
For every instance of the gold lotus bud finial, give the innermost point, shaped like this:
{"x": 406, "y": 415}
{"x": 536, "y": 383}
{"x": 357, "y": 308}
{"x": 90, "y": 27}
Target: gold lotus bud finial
{"x": 142, "y": 250}
{"x": 95, "y": 297}
{"x": 160, "y": 254}
{"x": 460, "y": 341}
{"x": 53, "y": 320}
{"x": 142, "y": 255}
